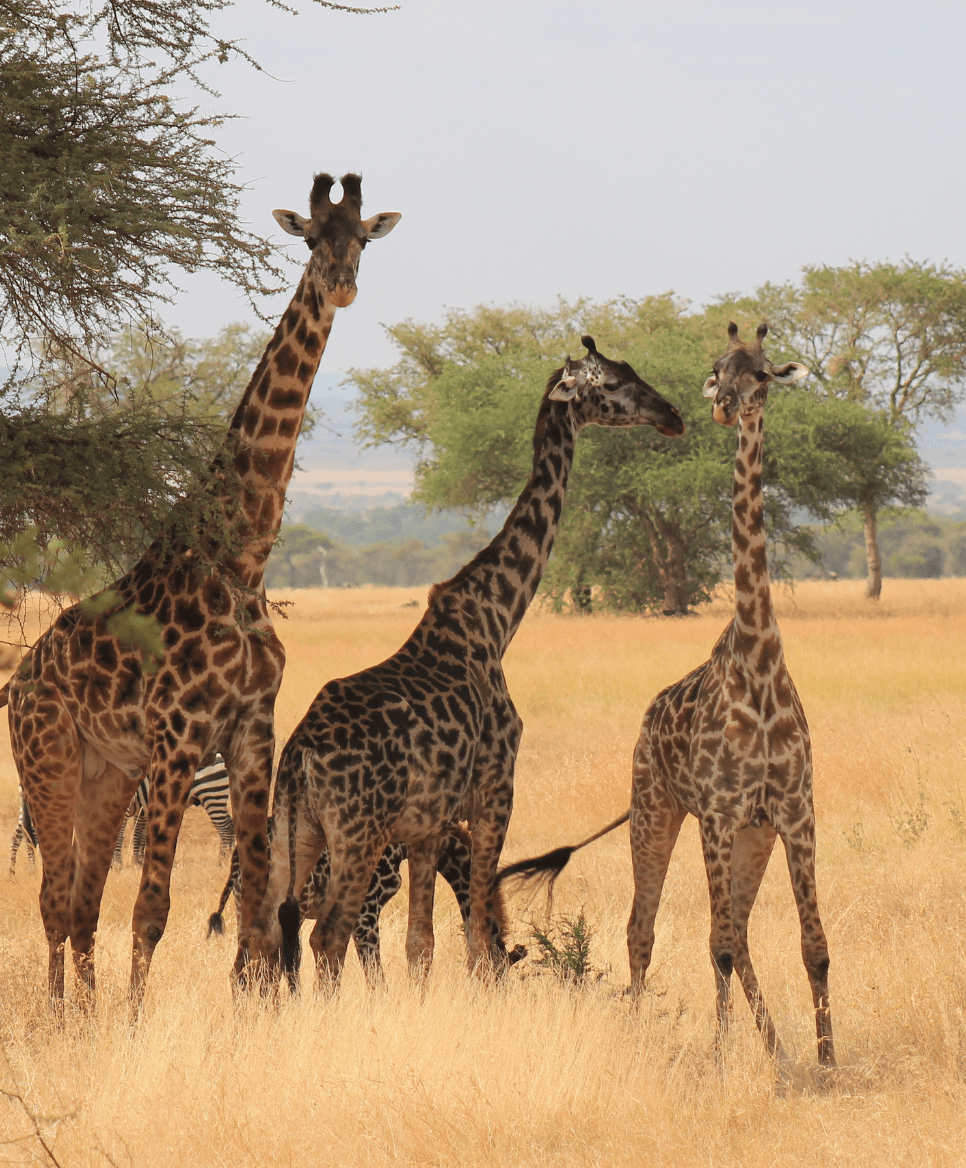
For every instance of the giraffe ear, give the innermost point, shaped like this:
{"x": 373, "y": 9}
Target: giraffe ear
{"x": 710, "y": 387}
{"x": 564, "y": 390}
{"x": 291, "y": 222}
{"x": 786, "y": 374}
{"x": 381, "y": 224}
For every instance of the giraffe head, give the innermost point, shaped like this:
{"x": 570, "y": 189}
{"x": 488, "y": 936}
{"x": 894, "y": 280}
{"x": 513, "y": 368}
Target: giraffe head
{"x": 739, "y": 380}
{"x": 610, "y": 393}
{"x": 336, "y": 233}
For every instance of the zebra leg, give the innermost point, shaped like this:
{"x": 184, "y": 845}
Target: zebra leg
{"x": 140, "y": 837}
{"x": 117, "y": 860}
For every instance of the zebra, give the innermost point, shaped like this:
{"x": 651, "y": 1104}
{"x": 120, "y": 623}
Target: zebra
{"x": 23, "y": 833}
{"x": 209, "y": 790}
{"x": 453, "y": 866}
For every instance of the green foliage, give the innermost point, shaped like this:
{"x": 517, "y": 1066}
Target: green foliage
{"x": 92, "y": 473}
{"x": 564, "y": 946}
{"x": 647, "y": 522}
{"x": 131, "y": 628}
{"x": 890, "y": 335}
{"x": 109, "y": 186}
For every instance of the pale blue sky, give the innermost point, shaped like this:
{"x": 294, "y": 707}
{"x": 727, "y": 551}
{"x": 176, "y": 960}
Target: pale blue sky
{"x": 599, "y": 147}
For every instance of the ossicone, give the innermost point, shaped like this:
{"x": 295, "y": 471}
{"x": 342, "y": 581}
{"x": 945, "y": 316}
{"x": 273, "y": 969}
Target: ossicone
{"x": 761, "y": 333}
{"x": 589, "y": 344}
{"x": 320, "y": 192}
{"x": 352, "y": 190}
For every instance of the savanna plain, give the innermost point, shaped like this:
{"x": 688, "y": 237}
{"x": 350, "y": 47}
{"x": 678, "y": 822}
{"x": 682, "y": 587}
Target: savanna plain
{"x": 534, "y": 1070}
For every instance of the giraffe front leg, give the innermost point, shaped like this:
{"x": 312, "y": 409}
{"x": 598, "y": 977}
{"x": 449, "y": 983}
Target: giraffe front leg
{"x": 168, "y": 799}
{"x": 717, "y": 847}
{"x": 800, "y": 854}
{"x": 420, "y": 938}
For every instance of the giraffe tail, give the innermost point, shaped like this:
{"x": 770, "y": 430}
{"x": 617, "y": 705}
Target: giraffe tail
{"x": 216, "y": 922}
{"x": 4, "y": 694}
{"x": 289, "y": 913}
{"x": 543, "y": 870}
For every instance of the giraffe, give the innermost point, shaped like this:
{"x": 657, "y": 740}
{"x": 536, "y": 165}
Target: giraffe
{"x": 88, "y": 719}
{"x": 729, "y": 744}
{"x": 404, "y": 751}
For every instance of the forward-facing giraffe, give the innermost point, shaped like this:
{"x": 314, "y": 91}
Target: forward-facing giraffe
{"x": 729, "y": 743}
{"x": 406, "y": 750}
{"x": 86, "y": 719}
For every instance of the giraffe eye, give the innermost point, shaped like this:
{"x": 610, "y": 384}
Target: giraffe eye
{"x": 761, "y": 376}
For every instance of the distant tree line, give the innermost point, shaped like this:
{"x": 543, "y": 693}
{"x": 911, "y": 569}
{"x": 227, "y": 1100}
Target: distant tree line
{"x": 306, "y": 558}
{"x": 913, "y": 545}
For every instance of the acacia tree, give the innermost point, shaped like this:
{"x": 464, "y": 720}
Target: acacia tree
{"x": 108, "y": 190}
{"x": 647, "y": 524}
{"x": 892, "y": 336}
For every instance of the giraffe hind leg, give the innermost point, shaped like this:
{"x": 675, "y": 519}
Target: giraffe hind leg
{"x": 386, "y": 882}
{"x": 800, "y": 854}
{"x": 654, "y": 831}
{"x": 749, "y": 859}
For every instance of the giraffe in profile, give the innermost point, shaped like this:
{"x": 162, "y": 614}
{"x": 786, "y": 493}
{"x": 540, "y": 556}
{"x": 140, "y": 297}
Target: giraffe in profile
{"x": 405, "y": 751}
{"x": 87, "y": 720}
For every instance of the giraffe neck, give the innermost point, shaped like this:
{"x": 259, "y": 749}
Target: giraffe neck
{"x": 504, "y": 576}
{"x": 260, "y": 445}
{"x": 754, "y": 616}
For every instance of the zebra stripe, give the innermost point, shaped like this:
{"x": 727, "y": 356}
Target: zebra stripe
{"x": 24, "y": 831}
{"x": 209, "y": 789}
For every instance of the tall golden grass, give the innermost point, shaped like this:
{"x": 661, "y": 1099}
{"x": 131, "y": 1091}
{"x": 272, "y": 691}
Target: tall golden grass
{"x": 531, "y": 1071}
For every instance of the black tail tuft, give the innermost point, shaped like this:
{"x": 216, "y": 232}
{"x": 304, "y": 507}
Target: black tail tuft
{"x": 539, "y": 871}
{"x": 216, "y": 924}
{"x": 290, "y": 918}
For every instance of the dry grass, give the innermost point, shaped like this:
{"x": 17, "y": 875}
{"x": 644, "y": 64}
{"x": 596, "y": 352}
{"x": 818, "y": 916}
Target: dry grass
{"x": 532, "y": 1072}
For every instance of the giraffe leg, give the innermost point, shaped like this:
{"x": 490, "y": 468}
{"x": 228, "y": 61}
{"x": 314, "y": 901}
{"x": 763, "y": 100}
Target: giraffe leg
{"x": 310, "y": 846}
{"x": 352, "y": 868}
{"x": 168, "y": 799}
{"x": 51, "y": 787}
{"x": 105, "y": 794}
{"x": 420, "y": 939}
{"x": 800, "y": 854}
{"x": 248, "y": 760}
{"x": 752, "y": 851}
{"x": 386, "y": 882}
{"x": 655, "y": 822}
{"x": 488, "y": 833}
{"x": 717, "y": 848}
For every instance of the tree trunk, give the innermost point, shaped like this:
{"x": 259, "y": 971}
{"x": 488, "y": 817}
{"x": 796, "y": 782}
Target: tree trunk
{"x": 873, "y": 585}
{"x": 670, "y": 562}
